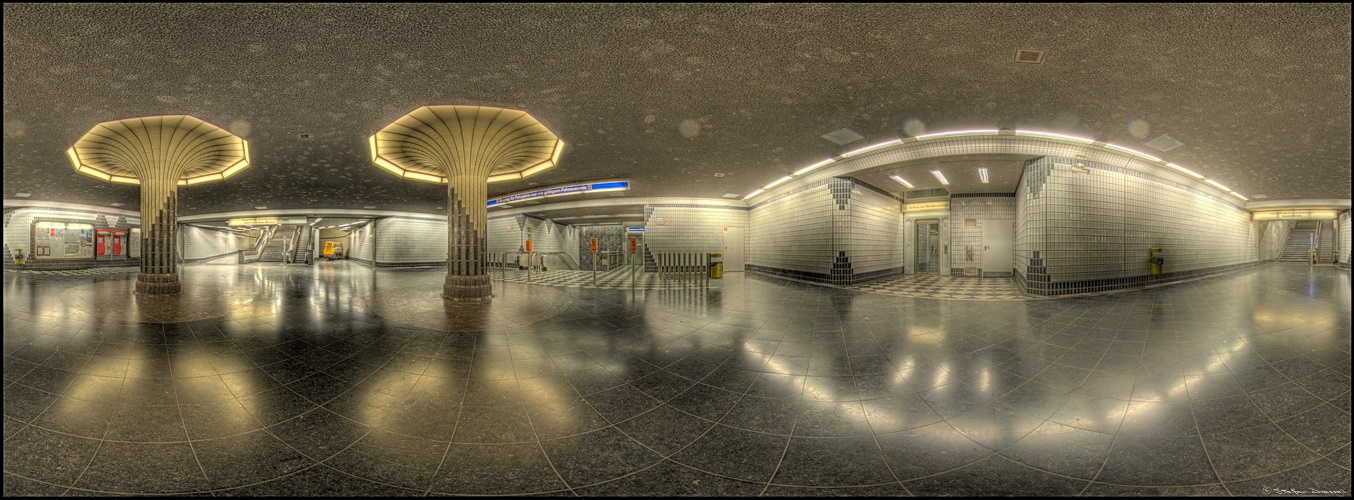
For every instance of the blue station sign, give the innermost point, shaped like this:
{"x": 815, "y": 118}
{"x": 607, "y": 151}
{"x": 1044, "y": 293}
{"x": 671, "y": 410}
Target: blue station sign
{"x": 559, "y": 190}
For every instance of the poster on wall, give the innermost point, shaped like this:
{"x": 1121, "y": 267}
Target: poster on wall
{"x": 63, "y": 240}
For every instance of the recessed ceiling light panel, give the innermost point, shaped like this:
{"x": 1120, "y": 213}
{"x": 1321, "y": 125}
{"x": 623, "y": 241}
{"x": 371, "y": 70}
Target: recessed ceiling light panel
{"x": 1164, "y": 142}
{"x": 22, "y": 195}
{"x": 940, "y": 177}
{"x": 843, "y": 136}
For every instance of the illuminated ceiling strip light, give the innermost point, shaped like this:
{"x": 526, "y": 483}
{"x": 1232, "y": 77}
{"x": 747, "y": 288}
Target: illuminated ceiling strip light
{"x": 1054, "y": 136}
{"x": 1219, "y": 186}
{"x": 124, "y": 180}
{"x": 75, "y": 158}
{"x": 1124, "y": 149}
{"x": 559, "y": 148}
{"x": 813, "y": 167}
{"x": 868, "y": 148}
{"x": 371, "y": 145}
{"x": 383, "y": 163}
{"x": 902, "y": 181}
{"x": 505, "y": 177}
{"x": 422, "y": 177}
{"x": 92, "y": 172}
{"x": 754, "y": 193}
{"x": 1185, "y": 170}
{"x": 940, "y": 177}
{"x": 982, "y": 173}
{"x": 538, "y": 168}
{"x": 238, "y": 166}
{"x": 958, "y": 132}
{"x": 778, "y": 182}
{"x": 1238, "y": 195}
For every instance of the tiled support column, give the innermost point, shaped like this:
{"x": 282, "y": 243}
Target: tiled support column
{"x": 159, "y": 255}
{"x": 467, "y": 278}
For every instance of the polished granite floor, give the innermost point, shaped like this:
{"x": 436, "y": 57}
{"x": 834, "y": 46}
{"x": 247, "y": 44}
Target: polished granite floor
{"x": 339, "y": 379}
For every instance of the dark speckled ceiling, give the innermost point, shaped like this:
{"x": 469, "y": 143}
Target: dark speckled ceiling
{"x": 668, "y": 96}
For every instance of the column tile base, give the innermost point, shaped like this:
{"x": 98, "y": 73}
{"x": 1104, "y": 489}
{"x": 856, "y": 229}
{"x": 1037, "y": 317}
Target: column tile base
{"x": 468, "y": 288}
{"x": 157, "y": 284}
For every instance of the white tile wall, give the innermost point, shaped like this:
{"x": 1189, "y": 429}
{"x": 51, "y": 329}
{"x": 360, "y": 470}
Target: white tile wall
{"x": 1273, "y": 234}
{"x": 402, "y": 240}
{"x": 19, "y": 225}
{"x": 1091, "y": 231}
{"x": 509, "y": 234}
{"x": 1343, "y": 241}
{"x": 363, "y": 241}
{"x": 200, "y": 243}
{"x": 874, "y": 243}
{"x": 691, "y": 228}
{"x": 793, "y": 232}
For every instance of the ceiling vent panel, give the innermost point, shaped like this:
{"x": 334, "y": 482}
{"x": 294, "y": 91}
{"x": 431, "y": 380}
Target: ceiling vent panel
{"x": 1028, "y": 56}
{"x": 1164, "y": 142}
{"x": 843, "y": 136}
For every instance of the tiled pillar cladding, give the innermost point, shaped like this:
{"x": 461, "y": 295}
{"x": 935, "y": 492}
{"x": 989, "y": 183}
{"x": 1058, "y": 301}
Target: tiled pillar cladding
{"x": 159, "y": 215}
{"x": 841, "y": 232}
{"x": 1087, "y": 232}
{"x": 467, "y": 276}
{"x": 1343, "y": 250}
{"x": 873, "y": 243}
{"x": 791, "y": 234}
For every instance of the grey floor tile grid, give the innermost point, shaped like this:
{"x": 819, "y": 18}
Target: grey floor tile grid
{"x": 1234, "y": 385}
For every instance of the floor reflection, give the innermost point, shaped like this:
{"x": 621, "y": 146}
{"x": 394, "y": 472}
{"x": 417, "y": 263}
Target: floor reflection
{"x": 267, "y": 379}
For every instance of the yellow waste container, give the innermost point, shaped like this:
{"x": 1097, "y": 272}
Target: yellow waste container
{"x": 1155, "y": 261}
{"x": 716, "y": 266}
{"x": 19, "y": 256}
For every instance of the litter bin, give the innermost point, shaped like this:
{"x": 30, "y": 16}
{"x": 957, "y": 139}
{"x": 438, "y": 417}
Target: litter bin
{"x": 716, "y": 266}
{"x": 1155, "y": 261}
{"x": 19, "y": 256}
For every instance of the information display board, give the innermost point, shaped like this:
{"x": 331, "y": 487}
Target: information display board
{"x": 62, "y": 240}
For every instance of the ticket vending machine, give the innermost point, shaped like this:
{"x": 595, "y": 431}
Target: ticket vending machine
{"x": 109, "y": 244}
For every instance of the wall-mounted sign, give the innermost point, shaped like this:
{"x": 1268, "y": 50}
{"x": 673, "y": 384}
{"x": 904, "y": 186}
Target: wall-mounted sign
{"x": 560, "y": 190}
{"x": 635, "y": 229}
{"x": 62, "y": 240}
{"x": 1294, "y": 215}
{"x": 926, "y": 206}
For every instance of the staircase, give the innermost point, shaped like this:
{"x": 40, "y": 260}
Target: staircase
{"x": 1325, "y": 247}
{"x": 274, "y": 250}
{"x": 1299, "y": 241}
{"x": 302, "y": 252}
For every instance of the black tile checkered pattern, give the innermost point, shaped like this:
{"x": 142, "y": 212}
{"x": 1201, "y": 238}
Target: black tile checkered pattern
{"x": 80, "y": 272}
{"x": 943, "y": 287}
{"x": 615, "y": 278}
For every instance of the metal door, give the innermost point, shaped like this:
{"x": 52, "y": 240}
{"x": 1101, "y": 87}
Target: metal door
{"x": 998, "y": 237}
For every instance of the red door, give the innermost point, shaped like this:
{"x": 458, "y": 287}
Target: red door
{"x": 99, "y": 246}
{"x": 117, "y": 245}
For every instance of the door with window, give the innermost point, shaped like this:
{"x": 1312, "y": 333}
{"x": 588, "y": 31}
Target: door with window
{"x": 928, "y": 246}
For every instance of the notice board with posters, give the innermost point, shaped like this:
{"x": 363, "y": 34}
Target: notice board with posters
{"x": 62, "y": 240}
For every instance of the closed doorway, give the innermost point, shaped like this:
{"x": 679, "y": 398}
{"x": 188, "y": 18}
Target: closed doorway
{"x": 733, "y": 249}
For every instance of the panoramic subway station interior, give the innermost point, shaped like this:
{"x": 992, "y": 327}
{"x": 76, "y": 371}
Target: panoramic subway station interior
{"x": 677, "y": 249}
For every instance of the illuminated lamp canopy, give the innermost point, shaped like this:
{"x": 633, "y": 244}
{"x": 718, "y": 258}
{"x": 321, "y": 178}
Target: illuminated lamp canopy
{"x": 126, "y": 151}
{"x": 431, "y": 141}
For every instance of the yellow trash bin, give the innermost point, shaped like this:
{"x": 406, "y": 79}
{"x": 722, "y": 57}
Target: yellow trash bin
{"x": 716, "y": 266}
